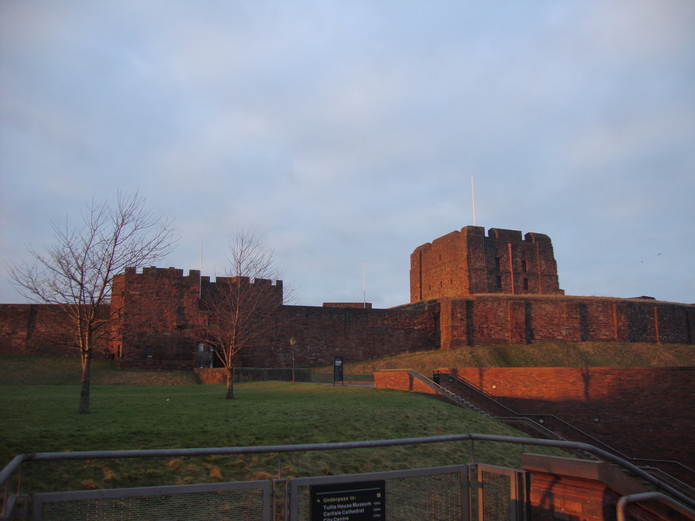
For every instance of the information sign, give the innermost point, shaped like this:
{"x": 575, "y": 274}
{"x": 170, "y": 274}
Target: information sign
{"x": 338, "y": 369}
{"x": 359, "y": 501}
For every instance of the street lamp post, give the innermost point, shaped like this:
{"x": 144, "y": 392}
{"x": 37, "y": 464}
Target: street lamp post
{"x": 293, "y": 342}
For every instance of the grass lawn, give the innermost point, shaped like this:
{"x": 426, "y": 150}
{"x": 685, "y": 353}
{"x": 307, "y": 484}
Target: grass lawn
{"x": 43, "y": 418}
{"x": 65, "y": 370}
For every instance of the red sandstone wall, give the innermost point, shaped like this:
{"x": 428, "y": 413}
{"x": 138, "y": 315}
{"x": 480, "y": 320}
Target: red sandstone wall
{"x": 507, "y": 319}
{"x": 157, "y": 309}
{"x": 644, "y": 412}
{"x": 162, "y": 311}
{"x": 400, "y": 380}
{"x": 466, "y": 263}
{"x": 440, "y": 269}
{"x": 579, "y": 490}
{"x": 353, "y": 333}
{"x": 39, "y": 329}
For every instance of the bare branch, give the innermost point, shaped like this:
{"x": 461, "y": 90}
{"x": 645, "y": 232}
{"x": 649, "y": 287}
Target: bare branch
{"x": 240, "y": 303}
{"x": 77, "y": 271}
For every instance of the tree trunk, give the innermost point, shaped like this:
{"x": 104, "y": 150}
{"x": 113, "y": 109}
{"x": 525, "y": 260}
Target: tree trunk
{"x": 230, "y": 382}
{"x": 85, "y": 382}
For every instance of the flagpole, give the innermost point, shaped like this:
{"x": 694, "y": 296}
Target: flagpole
{"x": 473, "y": 198}
{"x": 364, "y": 283}
{"x": 200, "y": 276}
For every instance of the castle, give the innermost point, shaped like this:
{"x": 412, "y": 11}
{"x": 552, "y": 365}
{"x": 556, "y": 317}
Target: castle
{"x": 466, "y": 289}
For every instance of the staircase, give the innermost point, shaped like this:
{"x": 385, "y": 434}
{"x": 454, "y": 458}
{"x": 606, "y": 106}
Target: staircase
{"x": 486, "y": 404}
{"x": 446, "y": 393}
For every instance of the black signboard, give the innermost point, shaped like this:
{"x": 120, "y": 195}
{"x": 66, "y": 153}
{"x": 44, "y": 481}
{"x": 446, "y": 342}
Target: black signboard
{"x": 360, "y": 501}
{"x": 338, "y": 369}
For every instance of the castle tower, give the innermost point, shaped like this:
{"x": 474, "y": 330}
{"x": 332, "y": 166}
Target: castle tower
{"x": 154, "y": 312}
{"x": 157, "y": 313}
{"x": 466, "y": 262}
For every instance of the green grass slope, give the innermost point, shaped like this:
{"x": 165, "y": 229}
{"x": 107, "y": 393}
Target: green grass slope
{"x": 584, "y": 354}
{"x": 31, "y": 370}
{"x": 50, "y": 370}
{"x": 43, "y": 418}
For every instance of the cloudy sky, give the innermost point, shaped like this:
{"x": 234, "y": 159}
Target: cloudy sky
{"x": 345, "y": 133}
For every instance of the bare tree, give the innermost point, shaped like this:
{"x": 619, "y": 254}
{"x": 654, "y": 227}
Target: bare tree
{"x": 297, "y": 352}
{"x": 76, "y": 273}
{"x": 240, "y": 304}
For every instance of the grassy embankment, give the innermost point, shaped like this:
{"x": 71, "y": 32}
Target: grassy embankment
{"x": 32, "y": 370}
{"x": 27, "y": 370}
{"x": 43, "y": 418}
{"x": 165, "y": 410}
{"x": 585, "y": 354}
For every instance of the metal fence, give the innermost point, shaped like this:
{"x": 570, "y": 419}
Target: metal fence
{"x": 242, "y": 500}
{"x": 460, "y": 492}
{"x": 432, "y": 494}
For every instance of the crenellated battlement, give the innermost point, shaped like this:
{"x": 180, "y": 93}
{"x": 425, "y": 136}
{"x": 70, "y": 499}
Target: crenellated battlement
{"x": 158, "y": 275}
{"x": 157, "y": 282}
{"x": 155, "y": 273}
{"x": 248, "y": 281}
{"x": 272, "y": 290}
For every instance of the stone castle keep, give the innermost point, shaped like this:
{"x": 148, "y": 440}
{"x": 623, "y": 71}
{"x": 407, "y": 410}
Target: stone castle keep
{"x": 464, "y": 263}
{"x": 466, "y": 289}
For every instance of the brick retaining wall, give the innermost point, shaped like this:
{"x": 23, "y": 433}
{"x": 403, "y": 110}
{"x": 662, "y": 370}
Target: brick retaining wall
{"x": 643, "y": 412}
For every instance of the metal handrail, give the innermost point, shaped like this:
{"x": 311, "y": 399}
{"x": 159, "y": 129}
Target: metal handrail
{"x": 478, "y": 391}
{"x": 516, "y": 417}
{"x": 568, "y": 425}
{"x": 650, "y": 496}
{"x": 443, "y": 391}
{"x": 219, "y": 451}
{"x": 541, "y": 415}
{"x": 527, "y": 420}
{"x": 449, "y": 395}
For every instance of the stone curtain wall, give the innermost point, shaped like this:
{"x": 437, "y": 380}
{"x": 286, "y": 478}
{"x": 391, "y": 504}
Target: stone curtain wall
{"x": 507, "y": 319}
{"x": 502, "y": 289}
{"x": 353, "y": 333}
{"x": 159, "y": 315}
{"x": 40, "y": 329}
{"x": 24, "y": 328}
{"x": 160, "y": 312}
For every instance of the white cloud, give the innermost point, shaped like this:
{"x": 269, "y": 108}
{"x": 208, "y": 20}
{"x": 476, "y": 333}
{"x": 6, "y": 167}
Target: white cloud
{"x": 345, "y": 133}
